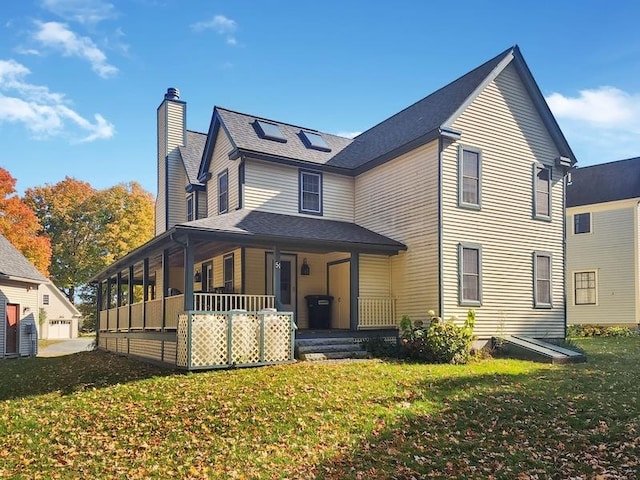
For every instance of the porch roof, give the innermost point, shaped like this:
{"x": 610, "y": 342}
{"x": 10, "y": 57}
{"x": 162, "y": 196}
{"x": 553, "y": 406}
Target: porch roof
{"x": 255, "y": 228}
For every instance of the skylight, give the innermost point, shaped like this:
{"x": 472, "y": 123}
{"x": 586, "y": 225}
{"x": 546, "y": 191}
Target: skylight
{"x": 270, "y": 131}
{"x": 315, "y": 141}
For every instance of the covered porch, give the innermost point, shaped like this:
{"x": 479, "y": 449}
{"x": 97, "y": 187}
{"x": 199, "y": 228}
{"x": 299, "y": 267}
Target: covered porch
{"x": 237, "y": 262}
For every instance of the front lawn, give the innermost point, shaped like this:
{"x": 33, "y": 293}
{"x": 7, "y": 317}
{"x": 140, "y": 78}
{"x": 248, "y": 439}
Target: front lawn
{"x": 94, "y": 415}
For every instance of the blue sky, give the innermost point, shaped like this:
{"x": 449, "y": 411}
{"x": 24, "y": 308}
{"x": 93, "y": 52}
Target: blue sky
{"x": 80, "y": 80}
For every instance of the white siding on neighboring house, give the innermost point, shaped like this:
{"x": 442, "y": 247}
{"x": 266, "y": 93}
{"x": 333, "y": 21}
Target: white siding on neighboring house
{"x": 399, "y": 199}
{"x": 58, "y": 310}
{"x": 611, "y": 250}
{"x": 271, "y": 187}
{"x": 25, "y": 295}
{"x": 219, "y": 163}
{"x": 504, "y": 125}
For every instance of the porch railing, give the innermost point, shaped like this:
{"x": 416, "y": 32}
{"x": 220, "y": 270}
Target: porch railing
{"x": 153, "y": 314}
{"x": 223, "y": 302}
{"x": 174, "y": 306}
{"x": 377, "y": 312}
{"x": 103, "y": 320}
{"x": 136, "y": 316}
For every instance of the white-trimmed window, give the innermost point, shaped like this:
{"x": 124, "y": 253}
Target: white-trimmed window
{"x": 542, "y": 192}
{"x": 470, "y": 274}
{"x": 585, "y": 285}
{"x": 223, "y": 192}
{"x": 582, "y": 223}
{"x": 469, "y": 177}
{"x": 310, "y": 196}
{"x": 228, "y": 273}
{"x": 542, "y": 280}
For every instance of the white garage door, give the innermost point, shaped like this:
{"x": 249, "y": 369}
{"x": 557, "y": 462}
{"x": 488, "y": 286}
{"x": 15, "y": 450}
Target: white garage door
{"x": 59, "y": 329}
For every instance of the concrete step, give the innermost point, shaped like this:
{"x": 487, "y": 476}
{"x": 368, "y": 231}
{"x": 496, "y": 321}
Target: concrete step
{"x": 316, "y": 357}
{"x": 333, "y": 347}
{"x": 304, "y": 342}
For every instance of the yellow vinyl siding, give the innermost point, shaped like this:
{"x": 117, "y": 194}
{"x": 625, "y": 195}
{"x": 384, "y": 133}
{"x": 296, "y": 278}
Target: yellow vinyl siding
{"x": 399, "y": 199}
{"x": 610, "y": 249}
{"x": 271, "y": 187}
{"x": 375, "y": 276}
{"x": 219, "y": 163}
{"x": 177, "y": 205}
{"x": 503, "y": 123}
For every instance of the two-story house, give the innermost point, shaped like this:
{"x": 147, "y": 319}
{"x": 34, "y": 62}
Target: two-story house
{"x": 456, "y": 202}
{"x": 603, "y": 251}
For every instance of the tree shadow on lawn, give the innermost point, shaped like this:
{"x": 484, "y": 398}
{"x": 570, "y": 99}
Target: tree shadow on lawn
{"x": 23, "y": 377}
{"x": 557, "y": 422}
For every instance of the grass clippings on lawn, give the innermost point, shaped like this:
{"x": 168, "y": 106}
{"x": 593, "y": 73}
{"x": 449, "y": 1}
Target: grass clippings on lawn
{"x": 95, "y": 415}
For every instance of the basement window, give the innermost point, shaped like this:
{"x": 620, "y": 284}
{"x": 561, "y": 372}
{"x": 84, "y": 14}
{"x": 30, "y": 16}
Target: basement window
{"x": 315, "y": 141}
{"x": 269, "y": 131}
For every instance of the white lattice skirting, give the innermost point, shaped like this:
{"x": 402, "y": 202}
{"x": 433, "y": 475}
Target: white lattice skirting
{"x": 236, "y": 338}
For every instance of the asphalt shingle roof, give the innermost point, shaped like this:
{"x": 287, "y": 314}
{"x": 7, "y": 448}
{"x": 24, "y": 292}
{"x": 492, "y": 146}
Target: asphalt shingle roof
{"x": 606, "y": 182}
{"x": 266, "y": 224}
{"x": 415, "y": 121}
{"x": 192, "y": 154}
{"x": 14, "y": 264}
{"x": 243, "y": 134}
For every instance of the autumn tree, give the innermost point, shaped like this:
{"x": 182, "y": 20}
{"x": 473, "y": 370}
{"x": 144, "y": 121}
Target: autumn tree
{"x": 21, "y": 226}
{"x": 90, "y": 228}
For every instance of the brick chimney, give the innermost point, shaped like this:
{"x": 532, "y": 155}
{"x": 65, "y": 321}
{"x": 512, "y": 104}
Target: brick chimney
{"x": 170, "y": 200}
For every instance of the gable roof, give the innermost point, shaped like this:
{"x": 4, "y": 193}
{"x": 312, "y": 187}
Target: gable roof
{"x": 14, "y": 266}
{"x": 245, "y": 139}
{"x": 191, "y": 154}
{"x": 51, "y": 287}
{"x": 426, "y": 119}
{"x": 607, "y": 182}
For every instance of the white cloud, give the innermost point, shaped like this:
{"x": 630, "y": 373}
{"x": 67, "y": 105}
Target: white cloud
{"x": 58, "y": 36}
{"x": 220, "y": 24}
{"x": 42, "y": 112}
{"x": 601, "y": 124}
{"x": 348, "y": 134}
{"x": 81, "y": 11}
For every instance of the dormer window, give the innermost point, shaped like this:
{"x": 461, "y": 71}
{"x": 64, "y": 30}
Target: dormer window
{"x": 269, "y": 131}
{"x": 315, "y": 141}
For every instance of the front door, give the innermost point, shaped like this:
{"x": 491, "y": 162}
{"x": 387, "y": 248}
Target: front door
{"x": 339, "y": 289}
{"x": 288, "y": 269}
{"x": 11, "y": 342}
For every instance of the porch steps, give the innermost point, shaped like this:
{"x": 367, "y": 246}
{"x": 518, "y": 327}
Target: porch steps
{"x": 317, "y": 349}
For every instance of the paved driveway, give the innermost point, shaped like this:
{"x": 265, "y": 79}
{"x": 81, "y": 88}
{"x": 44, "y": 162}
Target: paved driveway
{"x": 67, "y": 347}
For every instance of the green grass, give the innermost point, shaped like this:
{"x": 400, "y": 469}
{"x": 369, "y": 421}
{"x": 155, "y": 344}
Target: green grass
{"x": 94, "y": 415}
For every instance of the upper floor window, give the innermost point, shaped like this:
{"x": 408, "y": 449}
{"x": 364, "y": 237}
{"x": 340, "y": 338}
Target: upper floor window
{"x": 310, "y": 196}
{"x": 45, "y": 299}
{"x": 470, "y": 274}
{"x": 469, "y": 178}
{"x": 582, "y": 223}
{"x": 223, "y": 192}
{"x": 228, "y": 273}
{"x": 585, "y": 287}
{"x": 542, "y": 280}
{"x": 542, "y": 192}
{"x": 190, "y": 208}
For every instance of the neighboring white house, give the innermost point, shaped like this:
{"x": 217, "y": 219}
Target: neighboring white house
{"x": 603, "y": 251}
{"x": 61, "y": 315}
{"x": 455, "y": 202}
{"x": 19, "y": 281}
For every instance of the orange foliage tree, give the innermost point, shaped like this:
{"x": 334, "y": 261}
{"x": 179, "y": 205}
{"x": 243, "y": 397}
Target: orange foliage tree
{"x": 20, "y": 225}
{"x": 90, "y": 228}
